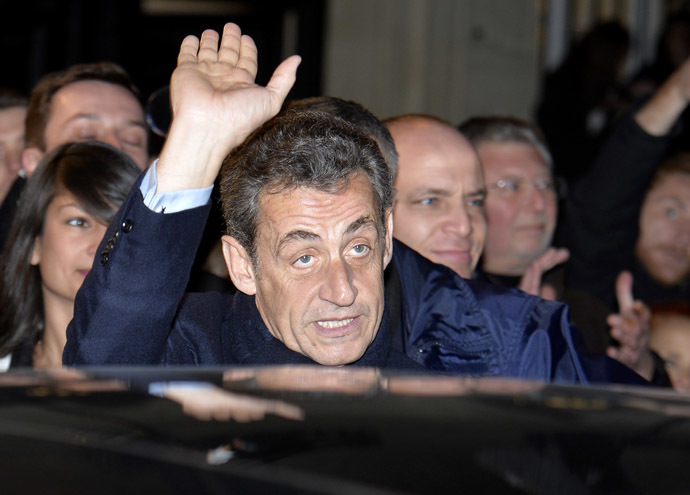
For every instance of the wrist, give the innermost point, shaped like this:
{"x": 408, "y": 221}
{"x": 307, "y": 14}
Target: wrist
{"x": 190, "y": 159}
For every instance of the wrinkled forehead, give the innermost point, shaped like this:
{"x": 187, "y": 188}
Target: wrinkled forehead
{"x": 319, "y": 210}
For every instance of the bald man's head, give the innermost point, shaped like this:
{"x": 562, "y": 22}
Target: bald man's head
{"x": 439, "y": 203}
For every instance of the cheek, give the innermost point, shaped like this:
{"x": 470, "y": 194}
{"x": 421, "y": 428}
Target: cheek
{"x": 411, "y": 227}
{"x": 479, "y": 228}
{"x": 652, "y": 231}
{"x": 499, "y": 220}
{"x": 500, "y": 215}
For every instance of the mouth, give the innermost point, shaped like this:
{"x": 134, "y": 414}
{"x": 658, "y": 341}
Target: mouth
{"x": 337, "y": 327}
{"x": 84, "y": 273}
{"x": 673, "y": 256}
{"x": 334, "y": 323}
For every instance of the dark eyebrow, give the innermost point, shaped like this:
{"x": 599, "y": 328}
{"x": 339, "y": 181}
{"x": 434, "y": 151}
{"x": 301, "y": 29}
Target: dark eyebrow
{"x": 305, "y": 235}
{"x": 296, "y": 235}
{"x": 478, "y": 192}
{"x": 362, "y": 221}
{"x": 432, "y": 192}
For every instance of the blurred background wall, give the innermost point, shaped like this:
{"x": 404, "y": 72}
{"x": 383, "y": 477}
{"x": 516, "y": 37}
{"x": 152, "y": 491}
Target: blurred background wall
{"x": 451, "y": 58}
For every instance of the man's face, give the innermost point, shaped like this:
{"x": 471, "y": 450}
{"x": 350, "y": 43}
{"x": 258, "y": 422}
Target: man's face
{"x": 98, "y": 111}
{"x": 11, "y": 142}
{"x": 663, "y": 244}
{"x": 319, "y": 274}
{"x": 439, "y": 202}
{"x": 520, "y": 209}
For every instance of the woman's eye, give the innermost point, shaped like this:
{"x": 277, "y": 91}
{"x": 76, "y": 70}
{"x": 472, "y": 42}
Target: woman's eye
{"x": 429, "y": 201}
{"x": 78, "y": 222}
{"x": 671, "y": 213}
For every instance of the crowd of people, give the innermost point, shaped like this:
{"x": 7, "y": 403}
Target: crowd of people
{"x": 333, "y": 237}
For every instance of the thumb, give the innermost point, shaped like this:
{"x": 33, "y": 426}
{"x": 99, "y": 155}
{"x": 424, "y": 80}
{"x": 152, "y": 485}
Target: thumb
{"x": 624, "y": 293}
{"x": 283, "y": 78}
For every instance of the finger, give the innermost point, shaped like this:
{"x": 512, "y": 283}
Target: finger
{"x": 282, "y": 80}
{"x": 248, "y": 55}
{"x": 562, "y": 255}
{"x": 626, "y": 331}
{"x": 188, "y": 50}
{"x": 289, "y": 411}
{"x": 642, "y": 311}
{"x": 530, "y": 280}
{"x": 624, "y": 294}
{"x": 550, "y": 258}
{"x": 230, "y": 44}
{"x": 208, "y": 46}
{"x": 548, "y": 292}
{"x": 612, "y": 352}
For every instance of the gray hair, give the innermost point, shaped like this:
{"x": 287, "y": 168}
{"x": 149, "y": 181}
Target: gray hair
{"x": 299, "y": 148}
{"x": 506, "y": 129}
{"x": 355, "y": 114}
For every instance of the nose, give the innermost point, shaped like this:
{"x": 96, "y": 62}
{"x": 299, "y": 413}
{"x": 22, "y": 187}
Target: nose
{"x": 457, "y": 221}
{"x": 109, "y": 136}
{"x": 338, "y": 287}
{"x": 536, "y": 198}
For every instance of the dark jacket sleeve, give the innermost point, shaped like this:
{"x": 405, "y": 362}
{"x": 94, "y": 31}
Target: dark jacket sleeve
{"x": 602, "y": 210}
{"x": 125, "y": 309}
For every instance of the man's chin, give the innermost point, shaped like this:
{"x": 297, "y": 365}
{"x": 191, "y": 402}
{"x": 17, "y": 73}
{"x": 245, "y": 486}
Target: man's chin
{"x": 338, "y": 355}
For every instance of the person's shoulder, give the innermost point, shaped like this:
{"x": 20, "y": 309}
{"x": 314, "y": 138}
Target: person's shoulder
{"x": 509, "y": 301}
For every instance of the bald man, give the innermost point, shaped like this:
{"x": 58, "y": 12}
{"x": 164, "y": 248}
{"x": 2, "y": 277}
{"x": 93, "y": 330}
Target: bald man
{"x": 439, "y": 207}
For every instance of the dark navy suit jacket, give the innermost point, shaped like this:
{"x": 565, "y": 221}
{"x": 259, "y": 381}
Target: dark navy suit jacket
{"x": 133, "y": 310}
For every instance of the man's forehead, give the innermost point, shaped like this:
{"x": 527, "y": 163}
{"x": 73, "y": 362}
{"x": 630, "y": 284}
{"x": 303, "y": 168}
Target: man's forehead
{"x": 511, "y": 158}
{"x": 94, "y": 97}
{"x": 314, "y": 210}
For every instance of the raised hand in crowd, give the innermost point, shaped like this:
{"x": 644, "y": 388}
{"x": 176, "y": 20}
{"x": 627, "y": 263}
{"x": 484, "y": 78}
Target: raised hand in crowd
{"x": 531, "y": 279}
{"x": 631, "y": 328}
{"x": 216, "y": 104}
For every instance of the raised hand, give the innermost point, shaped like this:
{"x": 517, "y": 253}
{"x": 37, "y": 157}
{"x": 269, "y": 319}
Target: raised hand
{"x": 663, "y": 109}
{"x": 531, "y": 279}
{"x": 216, "y": 105}
{"x": 630, "y": 328}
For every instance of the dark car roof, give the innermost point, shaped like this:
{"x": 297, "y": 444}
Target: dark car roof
{"x": 334, "y": 430}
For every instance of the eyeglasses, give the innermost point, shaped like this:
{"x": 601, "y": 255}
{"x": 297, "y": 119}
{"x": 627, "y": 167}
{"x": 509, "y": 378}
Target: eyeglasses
{"x": 513, "y": 186}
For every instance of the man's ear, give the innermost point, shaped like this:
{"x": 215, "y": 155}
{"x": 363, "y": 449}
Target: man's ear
{"x": 240, "y": 267}
{"x": 30, "y": 159}
{"x": 388, "y": 254}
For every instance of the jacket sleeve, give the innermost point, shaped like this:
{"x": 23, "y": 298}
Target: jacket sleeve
{"x": 126, "y": 307}
{"x": 603, "y": 208}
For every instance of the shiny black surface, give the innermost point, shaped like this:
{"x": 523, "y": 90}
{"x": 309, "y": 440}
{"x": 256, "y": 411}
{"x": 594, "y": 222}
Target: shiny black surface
{"x": 334, "y": 431}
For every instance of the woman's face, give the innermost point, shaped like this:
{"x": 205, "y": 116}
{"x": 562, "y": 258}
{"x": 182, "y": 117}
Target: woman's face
{"x": 663, "y": 244}
{"x": 65, "y": 249}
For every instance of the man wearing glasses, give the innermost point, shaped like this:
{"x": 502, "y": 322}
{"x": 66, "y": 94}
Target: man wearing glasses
{"x": 522, "y": 213}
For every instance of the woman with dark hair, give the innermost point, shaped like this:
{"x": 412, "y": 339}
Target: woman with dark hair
{"x": 61, "y": 218}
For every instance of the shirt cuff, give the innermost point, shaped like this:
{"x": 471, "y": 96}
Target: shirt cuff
{"x": 171, "y": 201}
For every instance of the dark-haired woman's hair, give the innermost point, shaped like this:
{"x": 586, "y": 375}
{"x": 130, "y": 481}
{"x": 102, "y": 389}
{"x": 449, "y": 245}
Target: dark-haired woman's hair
{"x": 99, "y": 177}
